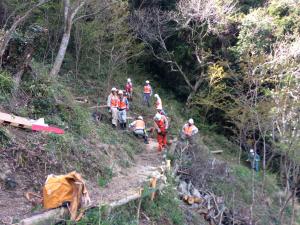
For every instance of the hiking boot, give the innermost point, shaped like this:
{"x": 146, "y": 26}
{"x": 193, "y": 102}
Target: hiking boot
{"x": 146, "y": 141}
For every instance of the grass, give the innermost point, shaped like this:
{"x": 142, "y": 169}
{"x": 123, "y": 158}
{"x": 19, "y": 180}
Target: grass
{"x": 237, "y": 188}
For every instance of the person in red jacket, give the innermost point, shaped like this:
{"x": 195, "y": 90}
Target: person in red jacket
{"x": 161, "y": 126}
{"x": 129, "y": 89}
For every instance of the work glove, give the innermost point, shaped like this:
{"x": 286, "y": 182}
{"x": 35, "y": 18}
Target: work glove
{"x": 158, "y": 130}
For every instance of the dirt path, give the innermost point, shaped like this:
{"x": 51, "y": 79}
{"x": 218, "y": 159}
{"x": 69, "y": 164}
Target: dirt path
{"x": 130, "y": 180}
{"x": 127, "y": 183}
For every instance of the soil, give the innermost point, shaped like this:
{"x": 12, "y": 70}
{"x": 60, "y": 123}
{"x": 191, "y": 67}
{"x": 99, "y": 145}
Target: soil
{"x": 14, "y": 206}
{"x": 130, "y": 180}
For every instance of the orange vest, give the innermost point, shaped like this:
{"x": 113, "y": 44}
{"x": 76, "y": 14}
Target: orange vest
{"x": 139, "y": 125}
{"x": 114, "y": 101}
{"x": 122, "y": 103}
{"x": 188, "y": 129}
{"x": 147, "y": 89}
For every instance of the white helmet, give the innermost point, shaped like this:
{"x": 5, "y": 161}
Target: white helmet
{"x": 114, "y": 89}
{"x": 191, "y": 121}
{"x": 140, "y": 117}
{"x": 128, "y": 80}
{"x": 251, "y": 150}
{"x": 147, "y": 82}
{"x": 120, "y": 92}
{"x": 156, "y": 96}
{"x": 157, "y": 116}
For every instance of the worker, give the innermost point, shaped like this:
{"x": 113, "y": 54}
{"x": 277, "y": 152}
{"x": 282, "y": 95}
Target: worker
{"x": 254, "y": 158}
{"x": 147, "y": 93}
{"x": 161, "y": 127}
{"x": 123, "y": 106}
{"x": 113, "y": 90}
{"x": 113, "y": 104}
{"x": 158, "y": 105}
{"x": 139, "y": 128}
{"x": 189, "y": 130}
{"x": 129, "y": 89}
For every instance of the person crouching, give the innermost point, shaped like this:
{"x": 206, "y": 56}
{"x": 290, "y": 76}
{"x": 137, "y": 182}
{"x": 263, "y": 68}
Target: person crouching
{"x": 139, "y": 128}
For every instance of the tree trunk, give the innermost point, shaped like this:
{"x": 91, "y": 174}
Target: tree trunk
{"x": 69, "y": 13}
{"x": 62, "y": 51}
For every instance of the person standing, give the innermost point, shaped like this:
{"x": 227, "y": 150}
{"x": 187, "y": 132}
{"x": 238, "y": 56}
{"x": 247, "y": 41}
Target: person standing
{"x": 113, "y": 100}
{"x": 129, "y": 89}
{"x": 123, "y": 106}
{"x": 158, "y": 105}
{"x": 254, "y": 158}
{"x": 139, "y": 128}
{"x": 113, "y": 90}
{"x": 147, "y": 93}
{"x": 161, "y": 126}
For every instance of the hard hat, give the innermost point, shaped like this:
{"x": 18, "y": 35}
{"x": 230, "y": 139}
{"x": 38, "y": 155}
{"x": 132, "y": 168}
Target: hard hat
{"x": 251, "y": 150}
{"x": 191, "y": 121}
{"x": 114, "y": 89}
{"x": 120, "y": 92}
{"x": 140, "y": 117}
{"x": 147, "y": 81}
{"x": 128, "y": 80}
{"x": 157, "y": 116}
{"x": 156, "y": 96}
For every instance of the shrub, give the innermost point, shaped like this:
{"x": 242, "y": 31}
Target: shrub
{"x": 6, "y": 84}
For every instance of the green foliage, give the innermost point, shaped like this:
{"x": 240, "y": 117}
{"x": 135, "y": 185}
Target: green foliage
{"x": 165, "y": 207}
{"x": 121, "y": 216}
{"x": 256, "y": 34}
{"x": 4, "y": 138}
{"x": 6, "y": 84}
{"x": 106, "y": 178}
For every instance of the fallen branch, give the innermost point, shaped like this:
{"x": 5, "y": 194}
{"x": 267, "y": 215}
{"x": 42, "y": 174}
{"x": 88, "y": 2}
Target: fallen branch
{"x": 52, "y": 216}
{"x": 99, "y": 106}
{"x": 217, "y": 151}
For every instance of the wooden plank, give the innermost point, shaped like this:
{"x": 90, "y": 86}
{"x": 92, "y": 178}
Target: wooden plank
{"x": 15, "y": 120}
{"x": 217, "y": 151}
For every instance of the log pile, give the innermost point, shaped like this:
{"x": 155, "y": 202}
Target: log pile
{"x": 210, "y": 206}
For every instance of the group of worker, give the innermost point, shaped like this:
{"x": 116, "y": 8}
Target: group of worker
{"x": 118, "y": 103}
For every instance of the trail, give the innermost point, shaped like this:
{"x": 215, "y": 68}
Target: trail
{"x": 130, "y": 180}
{"x": 126, "y": 183}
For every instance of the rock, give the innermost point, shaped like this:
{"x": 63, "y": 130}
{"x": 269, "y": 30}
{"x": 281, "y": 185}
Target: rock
{"x": 183, "y": 188}
{"x": 10, "y": 183}
{"x": 196, "y": 193}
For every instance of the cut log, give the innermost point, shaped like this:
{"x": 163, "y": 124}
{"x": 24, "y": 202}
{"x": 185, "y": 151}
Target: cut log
{"x": 217, "y": 151}
{"x": 99, "y": 106}
{"x": 125, "y": 200}
{"x": 52, "y": 216}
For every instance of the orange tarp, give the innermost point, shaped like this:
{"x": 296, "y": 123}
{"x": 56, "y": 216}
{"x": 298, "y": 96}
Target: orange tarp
{"x": 65, "y": 188}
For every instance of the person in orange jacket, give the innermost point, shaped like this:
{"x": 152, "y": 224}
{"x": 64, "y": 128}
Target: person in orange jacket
{"x": 161, "y": 126}
{"x": 147, "y": 93}
{"x": 113, "y": 101}
{"x": 188, "y": 130}
{"x": 123, "y": 106}
{"x": 139, "y": 128}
